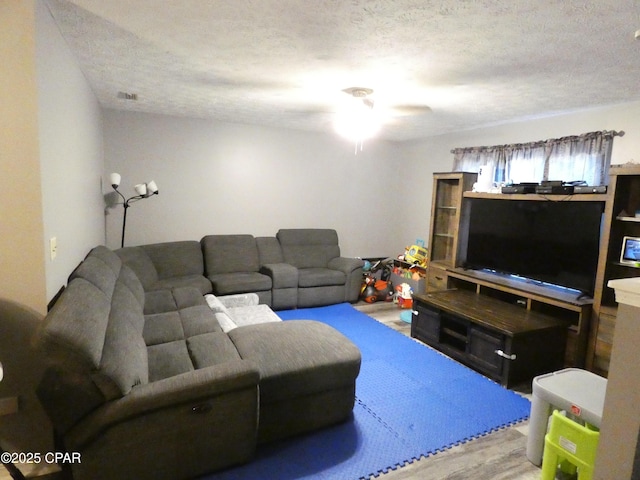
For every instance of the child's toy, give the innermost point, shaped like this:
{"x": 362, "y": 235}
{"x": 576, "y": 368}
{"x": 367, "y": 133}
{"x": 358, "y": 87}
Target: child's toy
{"x": 378, "y": 290}
{"x": 403, "y": 295}
{"x": 416, "y": 254}
{"x": 374, "y": 289}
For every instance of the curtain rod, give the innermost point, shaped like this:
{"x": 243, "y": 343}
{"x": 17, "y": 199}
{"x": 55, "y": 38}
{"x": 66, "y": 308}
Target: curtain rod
{"x": 604, "y": 133}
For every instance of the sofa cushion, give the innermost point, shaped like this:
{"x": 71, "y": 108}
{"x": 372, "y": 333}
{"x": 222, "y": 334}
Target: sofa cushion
{"x": 308, "y": 247}
{"x": 176, "y": 259}
{"x": 179, "y": 325}
{"x": 139, "y": 261}
{"x": 124, "y": 362}
{"x": 109, "y": 257}
{"x": 93, "y": 270}
{"x": 162, "y": 328}
{"x": 159, "y": 301}
{"x": 167, "y": 265}
{"x": 76, "y": 345}
{"x": 168, "y": 359}
{"x": 230, "y": 254}
{"x": 196, "y": 281}
{"x": 297, "y": 358}
{"x": 319, "y": 277}
{"x": 239, "y": 282}
{"x": 211, "y": 349}
{"x": 197, "y": 320}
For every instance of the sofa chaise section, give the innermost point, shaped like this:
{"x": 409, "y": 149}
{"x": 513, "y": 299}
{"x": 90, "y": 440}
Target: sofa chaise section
{"x": 307, "y": 375}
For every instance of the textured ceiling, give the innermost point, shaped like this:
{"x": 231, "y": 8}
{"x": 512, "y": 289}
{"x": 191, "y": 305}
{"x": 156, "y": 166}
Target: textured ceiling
{"x": 284, "y": 63}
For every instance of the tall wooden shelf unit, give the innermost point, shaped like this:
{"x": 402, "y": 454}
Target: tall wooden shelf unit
{"x": 623, "y": 200}
{"x": 447, "y": 252}
{"x": 447, "y": 232}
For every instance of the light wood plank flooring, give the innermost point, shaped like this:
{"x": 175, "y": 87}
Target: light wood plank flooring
{"x": 497, "y": 456}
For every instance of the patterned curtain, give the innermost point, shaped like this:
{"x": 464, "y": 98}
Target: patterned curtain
{"x": 577, "y": 158}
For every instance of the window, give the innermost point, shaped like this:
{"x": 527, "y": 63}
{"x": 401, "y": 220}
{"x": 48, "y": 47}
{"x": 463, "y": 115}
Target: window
{"x": 577, "y": 158}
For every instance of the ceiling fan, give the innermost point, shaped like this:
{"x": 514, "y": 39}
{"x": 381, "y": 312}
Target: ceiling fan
{"x": 357, "y": 120}
{"x": 397, "y": 110}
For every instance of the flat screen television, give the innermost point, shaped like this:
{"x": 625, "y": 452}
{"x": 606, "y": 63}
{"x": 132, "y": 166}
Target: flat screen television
{"x": 554, "y": 242}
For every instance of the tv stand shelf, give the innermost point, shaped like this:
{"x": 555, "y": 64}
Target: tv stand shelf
{"x": 581, "y": 197}
{"x": 560, "y": 304}
{"x": 505, "y": 342}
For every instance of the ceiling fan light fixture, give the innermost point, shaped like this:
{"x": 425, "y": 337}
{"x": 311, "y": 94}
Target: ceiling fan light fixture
{"x": 357, "y": 121}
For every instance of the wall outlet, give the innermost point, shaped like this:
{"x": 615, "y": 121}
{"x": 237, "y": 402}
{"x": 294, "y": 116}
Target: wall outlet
{"x": 53, "y": 247}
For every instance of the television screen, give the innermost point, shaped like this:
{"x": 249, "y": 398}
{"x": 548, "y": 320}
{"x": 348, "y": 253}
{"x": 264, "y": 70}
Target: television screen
{"x": 554, "y": 242}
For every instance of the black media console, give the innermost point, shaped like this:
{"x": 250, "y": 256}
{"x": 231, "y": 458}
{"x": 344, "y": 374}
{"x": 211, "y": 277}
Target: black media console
{"x": 503, "y": 341}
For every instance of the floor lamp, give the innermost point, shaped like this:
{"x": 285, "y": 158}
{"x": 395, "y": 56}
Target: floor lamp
{"x": 144, "y": 190}
{"x": 11, "y": 468}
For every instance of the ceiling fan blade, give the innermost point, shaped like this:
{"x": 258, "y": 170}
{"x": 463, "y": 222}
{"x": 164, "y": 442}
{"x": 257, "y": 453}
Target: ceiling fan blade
{"x": 409, "y": 110}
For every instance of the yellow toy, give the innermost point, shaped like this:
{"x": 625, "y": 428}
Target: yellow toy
{"x": 416, "y": 254}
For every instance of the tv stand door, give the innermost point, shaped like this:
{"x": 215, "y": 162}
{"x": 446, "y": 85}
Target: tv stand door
{"x": 483, "y": 351}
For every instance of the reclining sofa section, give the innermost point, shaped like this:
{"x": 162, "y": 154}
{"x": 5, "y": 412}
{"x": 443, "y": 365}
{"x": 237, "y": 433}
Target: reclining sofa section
{"x": 296, "y": 268}
{"x": 147, "y": 385}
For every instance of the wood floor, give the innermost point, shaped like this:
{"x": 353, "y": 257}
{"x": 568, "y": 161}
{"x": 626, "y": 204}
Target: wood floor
{"x": 497, "y": 456}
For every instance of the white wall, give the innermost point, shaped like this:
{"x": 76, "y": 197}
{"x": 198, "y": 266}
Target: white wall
{"x": 217, "y": 178}
{"x": 227, "y": 178}
{"x": 71, "y": 159}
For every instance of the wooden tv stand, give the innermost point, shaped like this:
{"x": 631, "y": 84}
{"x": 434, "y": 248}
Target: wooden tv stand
{"x": 504, "y": 341}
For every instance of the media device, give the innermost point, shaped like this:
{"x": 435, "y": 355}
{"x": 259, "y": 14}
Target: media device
{"x": 520, "y": 188}
{"x": 630, "y": 253}
{"x": 545, "y": 241}
{"x": 555, "y": 189}
{"x": 590, "y": 189}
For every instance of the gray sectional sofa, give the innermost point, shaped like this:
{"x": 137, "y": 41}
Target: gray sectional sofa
{"x": 145, "y": 383}
{"x": 295, "y": 268}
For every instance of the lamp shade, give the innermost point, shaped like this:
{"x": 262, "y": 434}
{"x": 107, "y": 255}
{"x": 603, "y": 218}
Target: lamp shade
{"x": 152, "y": 187}
{"x": 115, "y": 178}
{"x": 141, "y": 188}
{"x": 1, "y": 372}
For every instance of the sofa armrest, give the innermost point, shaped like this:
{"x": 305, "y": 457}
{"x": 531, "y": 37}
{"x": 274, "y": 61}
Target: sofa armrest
{"x": 197, "y": 389}
{"x": 352, "y": 268}
{"x": 345, "y": 264}
{"x": 283, "y": 275}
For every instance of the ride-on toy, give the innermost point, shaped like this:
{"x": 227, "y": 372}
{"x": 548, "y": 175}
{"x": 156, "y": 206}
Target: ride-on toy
{"x": 374, "y": 289}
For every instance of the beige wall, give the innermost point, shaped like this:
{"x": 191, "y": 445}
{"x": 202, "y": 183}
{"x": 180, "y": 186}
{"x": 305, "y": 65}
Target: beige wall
{"x": 22, "y": 275}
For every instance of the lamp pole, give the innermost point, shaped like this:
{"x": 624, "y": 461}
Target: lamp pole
{"x": 145, "y": 190}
